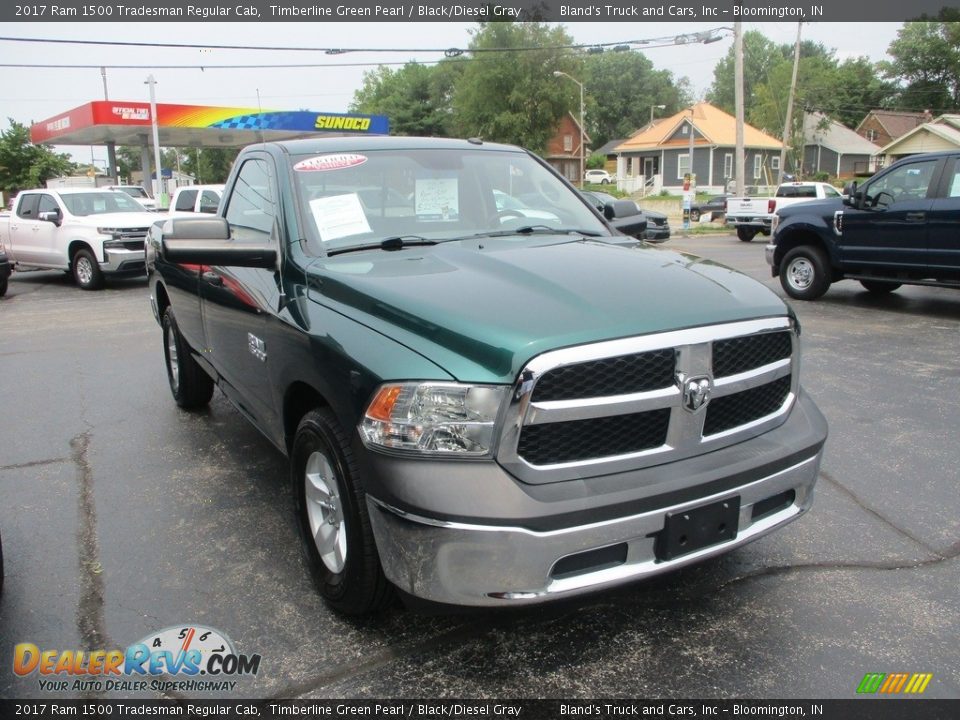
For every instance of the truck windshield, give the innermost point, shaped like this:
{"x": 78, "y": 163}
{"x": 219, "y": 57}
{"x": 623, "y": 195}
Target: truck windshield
{"x": 100, "y": 203}
{"x": 135, "y": 192}
{"x": 353, "y": 199}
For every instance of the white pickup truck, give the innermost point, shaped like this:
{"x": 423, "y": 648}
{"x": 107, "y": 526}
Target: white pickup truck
{"x": 752, "y": 215}
{"x": 196, "y": 199}
{"x": 88, "y": 232}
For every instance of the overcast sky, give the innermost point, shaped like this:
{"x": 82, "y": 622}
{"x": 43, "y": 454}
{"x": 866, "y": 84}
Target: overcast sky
{"x": 32, "y": 94}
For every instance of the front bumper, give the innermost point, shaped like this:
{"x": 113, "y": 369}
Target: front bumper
{"x": 120, "y": 261}
{"x": 769, "y": 250}
{"x": 495, "y": 559}
{"x": 657, "y": 233}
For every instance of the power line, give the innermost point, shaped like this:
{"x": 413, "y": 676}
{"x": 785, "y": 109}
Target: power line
{"x": 702, "y": 36}
{"x": 265, "y": 66}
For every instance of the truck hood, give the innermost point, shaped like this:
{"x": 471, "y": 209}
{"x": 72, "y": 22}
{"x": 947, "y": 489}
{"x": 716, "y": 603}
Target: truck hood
{"x": 482, "y": 309}
{"x": 116, "y": 220}
{"x": 824, "y": 208}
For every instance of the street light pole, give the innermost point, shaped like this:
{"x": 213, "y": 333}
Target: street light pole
{"x": 583, "y": 149}
{"x": 655, "y": 107}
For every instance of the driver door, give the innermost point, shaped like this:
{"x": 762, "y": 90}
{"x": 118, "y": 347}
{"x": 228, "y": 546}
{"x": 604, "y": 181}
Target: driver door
{"x": 892, "y": 227}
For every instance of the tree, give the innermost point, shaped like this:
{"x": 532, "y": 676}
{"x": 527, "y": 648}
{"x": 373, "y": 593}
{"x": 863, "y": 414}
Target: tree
{"x": 926, "y": 63}
{"x": 208, "y": 165}
{"x": 513, "y": 97}
{"x": 760, "y": 56}
{"x": 24, "y": 165}
{"x": 621, "y": 88}
{"x": 416, "y": 98}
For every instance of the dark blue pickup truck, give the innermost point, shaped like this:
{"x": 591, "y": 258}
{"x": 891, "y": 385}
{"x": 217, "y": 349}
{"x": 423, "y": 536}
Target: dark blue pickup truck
{"x": 901, "y": 227}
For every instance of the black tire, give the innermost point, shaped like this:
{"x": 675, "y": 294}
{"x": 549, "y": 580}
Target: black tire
{"x": 805, "y": 272}
{"x": 330, "y": 496}
{"x": 604, "y": 182}
{"x": 190, "y": 386}
{"x": 3, "y": 286}
{"x": 746, "y": 234}
{"x": 86, "y": 270}
{"x": 880, "y": 287}
{"x": 694, "y": 216}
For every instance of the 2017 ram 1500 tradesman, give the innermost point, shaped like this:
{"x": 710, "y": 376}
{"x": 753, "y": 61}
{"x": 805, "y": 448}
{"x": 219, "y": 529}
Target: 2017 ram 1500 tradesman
{"x": 91, "y": 233}
{"x": 482, "y": 407}
{"x": 899, "y": 228}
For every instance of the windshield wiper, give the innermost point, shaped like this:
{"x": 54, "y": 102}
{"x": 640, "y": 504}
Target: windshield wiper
{"x": 530, "y": 230}
{"x": 395, "y": 242}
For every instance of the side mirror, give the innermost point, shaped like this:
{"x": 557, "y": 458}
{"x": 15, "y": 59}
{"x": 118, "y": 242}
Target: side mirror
{"x": 851, "y": 195}
{"x": 206, "y": 241}
{"x": 52, "y": 216}
{"x": 620, "y": 209}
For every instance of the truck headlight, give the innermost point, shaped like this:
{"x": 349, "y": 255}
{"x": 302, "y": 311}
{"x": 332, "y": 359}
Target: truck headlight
{"x": 433, "y": 418}
{"x": 774, "y": 222}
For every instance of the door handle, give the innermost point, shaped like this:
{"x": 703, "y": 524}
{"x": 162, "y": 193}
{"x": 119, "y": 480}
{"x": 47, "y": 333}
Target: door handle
{"x": 916, "y": 216}
{"x": 212, "y": 278}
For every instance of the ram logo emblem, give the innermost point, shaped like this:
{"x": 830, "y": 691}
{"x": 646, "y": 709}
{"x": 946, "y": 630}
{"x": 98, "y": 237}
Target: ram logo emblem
{"x": 696, "y": 392}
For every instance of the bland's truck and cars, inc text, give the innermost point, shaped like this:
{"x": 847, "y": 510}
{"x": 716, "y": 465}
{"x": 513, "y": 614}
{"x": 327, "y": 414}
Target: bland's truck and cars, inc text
{"x": 482, "y": 406}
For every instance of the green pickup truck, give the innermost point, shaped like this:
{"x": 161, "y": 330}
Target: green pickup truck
{"x": 480, "y": 406}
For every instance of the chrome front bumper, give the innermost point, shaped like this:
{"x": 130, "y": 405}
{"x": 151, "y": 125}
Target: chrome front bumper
{"x": 769, "y": 250}
{"x": 121, "y": 260}
{"x": 486, "y": 565}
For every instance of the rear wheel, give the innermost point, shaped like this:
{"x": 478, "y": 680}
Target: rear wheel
{"x": 3, "y": 286}
{"x": 746, "y": 234}
{"x": 880, "y": 287}
{"x": 333, "y": 520}
{"x": 86, "y": 271}
{"x": 190, "y": 385}
{"x": 804, "y": 272}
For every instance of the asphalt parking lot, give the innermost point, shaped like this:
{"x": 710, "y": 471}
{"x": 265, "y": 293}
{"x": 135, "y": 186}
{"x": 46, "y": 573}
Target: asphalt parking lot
{"x": 122, "y": 515}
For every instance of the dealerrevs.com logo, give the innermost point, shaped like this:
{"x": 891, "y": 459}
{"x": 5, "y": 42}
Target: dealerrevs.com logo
{"x": 197, "y": 658}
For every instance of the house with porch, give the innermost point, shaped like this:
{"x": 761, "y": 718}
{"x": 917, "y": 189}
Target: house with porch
{"x": 942, "y": 133}
{"x": 563, "y": 149}
{"x": 657, "y": 157}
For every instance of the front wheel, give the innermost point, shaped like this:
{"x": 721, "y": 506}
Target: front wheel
{"x": 804, "y": 272}
{"x": 879, "y": 287}
{"x": 746, "y": 234}
{"x": 3, "y": 287}
{"x": 86, "y": 271}
{"x": 333, "y": 520}
{"x": 190, "y": 385}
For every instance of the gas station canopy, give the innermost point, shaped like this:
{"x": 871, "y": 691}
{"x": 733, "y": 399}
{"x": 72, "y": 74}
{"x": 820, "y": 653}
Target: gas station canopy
{"x": 105, "y": 122}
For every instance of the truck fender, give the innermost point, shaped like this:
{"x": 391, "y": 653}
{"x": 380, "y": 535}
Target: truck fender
{"x": 804, "y": 230}
{"x": 74, "y": 246}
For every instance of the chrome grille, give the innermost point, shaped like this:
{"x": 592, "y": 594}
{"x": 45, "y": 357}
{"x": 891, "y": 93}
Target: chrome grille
{"x": 737, "y": 355}
{"x": 745, "y": 407}
{"x": 610, "y": 376}
{"x": 619, "y": 405}
{"x": 590, "y": 439}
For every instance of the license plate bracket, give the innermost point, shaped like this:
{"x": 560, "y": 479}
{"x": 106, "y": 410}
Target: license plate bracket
{"x": 691, "y": 530}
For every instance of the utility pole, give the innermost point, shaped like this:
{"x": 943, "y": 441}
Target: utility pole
{"x": 738, "y": 101}
{"x": 163, "y": 201}
{"x": 111, "y": 145}
{"x": 583, "y": 149}
{"x": 793, "y": 89}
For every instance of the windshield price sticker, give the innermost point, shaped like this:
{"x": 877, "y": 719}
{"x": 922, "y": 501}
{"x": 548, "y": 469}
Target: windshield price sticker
{"x": 325, "y": 163}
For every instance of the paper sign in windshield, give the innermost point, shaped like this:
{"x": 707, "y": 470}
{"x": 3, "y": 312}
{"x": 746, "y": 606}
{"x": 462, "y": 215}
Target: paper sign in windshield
{"x": 339, "y": 216}
{"x": 336, "y": 161}
{"x": 437, "y": 198}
